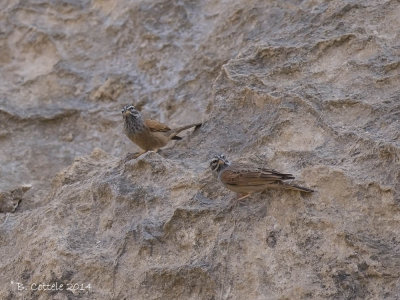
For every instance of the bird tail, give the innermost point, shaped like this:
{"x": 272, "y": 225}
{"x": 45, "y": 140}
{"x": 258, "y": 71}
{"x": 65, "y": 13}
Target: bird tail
{"x": 295, "y": 187}
{"x": 176, "y": 131}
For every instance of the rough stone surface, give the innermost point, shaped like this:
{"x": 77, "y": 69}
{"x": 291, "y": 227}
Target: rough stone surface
{"x": 9, "y": 200}
{"x": 307, "y": 87}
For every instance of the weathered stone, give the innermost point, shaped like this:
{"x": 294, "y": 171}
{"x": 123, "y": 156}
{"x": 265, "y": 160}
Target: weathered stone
{"x": 306, "y": 87}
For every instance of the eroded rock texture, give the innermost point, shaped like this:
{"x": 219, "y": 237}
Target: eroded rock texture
{"x": 306, "y": 87}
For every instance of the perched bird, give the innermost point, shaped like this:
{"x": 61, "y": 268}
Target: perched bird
{"x": 149, "y": 134}
{"x": 244, "y": 179}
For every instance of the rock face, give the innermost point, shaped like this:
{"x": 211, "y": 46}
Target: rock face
{"x": 306, "y": 87}
{"x": 9, "y": 200}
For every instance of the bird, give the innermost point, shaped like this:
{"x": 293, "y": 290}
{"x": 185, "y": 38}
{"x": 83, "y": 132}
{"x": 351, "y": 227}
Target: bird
{"x": 246, "y": 180}
{"x": 149, "y": 134}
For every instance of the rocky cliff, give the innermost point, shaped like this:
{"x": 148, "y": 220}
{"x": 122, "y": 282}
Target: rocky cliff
{"x": 306, "y": 87}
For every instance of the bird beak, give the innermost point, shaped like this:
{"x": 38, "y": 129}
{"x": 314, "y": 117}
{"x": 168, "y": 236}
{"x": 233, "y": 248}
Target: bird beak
{"x": 126, "y": 112}
{"x": 220, "y": 162}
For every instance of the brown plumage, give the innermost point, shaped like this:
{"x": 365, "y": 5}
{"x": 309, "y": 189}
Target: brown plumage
{"x": 156, "y": 126}
{"x": 149, "y": 134}
{"x": 244, "y": 179}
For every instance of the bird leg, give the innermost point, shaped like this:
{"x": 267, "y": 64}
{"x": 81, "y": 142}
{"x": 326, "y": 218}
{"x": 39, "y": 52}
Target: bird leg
{"x": 130, "y": 156}
{"x": 235, "y": 202}
{"x": 243, "y": 197}
{"x": 136, "y": 155}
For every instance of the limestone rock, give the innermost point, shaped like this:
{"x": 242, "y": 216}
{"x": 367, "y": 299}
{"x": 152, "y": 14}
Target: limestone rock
{"x": 306, "y": 87}
{"x": 9, "y": 200}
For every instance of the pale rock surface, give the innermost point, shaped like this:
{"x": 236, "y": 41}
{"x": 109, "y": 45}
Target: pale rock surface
{"x": 307, "y": 87}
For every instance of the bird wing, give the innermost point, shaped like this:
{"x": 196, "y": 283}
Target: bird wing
{"x": 154, "y": 125}
{"x": 282, "y": 176}
{"x": 245, "y": 176}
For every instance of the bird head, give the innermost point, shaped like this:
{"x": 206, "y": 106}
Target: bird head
{"x": 130, "y": 110}
{"x": 218, "y": 163}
